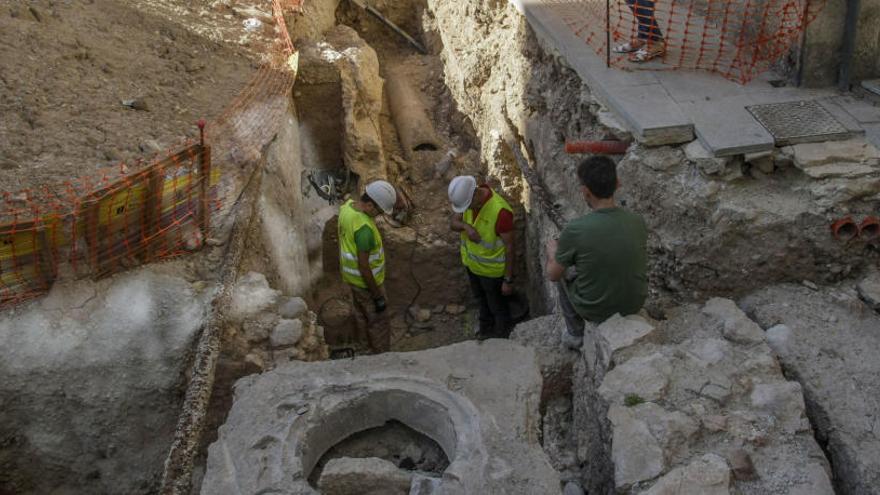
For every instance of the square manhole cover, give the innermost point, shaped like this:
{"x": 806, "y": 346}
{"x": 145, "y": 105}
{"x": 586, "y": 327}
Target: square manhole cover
{"x": 799, "y": 122}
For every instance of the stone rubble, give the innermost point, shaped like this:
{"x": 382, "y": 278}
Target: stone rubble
{"x": 274, "y": 328}
{"x": 827, "y": 340}
{"x": 869, "y": 289}
{"x": 694, "y": 404}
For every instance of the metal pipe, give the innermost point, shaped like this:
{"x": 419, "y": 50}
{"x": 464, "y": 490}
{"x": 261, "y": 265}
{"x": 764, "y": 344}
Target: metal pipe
{"x": 850, "y": 28}
{"x": 394, "y": 27}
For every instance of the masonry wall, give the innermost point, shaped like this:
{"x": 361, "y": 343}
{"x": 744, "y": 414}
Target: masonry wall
{"x": 824, "y": 40}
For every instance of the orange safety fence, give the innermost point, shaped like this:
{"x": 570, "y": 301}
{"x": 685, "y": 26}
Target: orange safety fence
{"x": 738, "y": 39}
{"x": 129, "y": 215}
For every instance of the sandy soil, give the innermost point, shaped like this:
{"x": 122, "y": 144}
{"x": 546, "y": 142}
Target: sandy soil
{"x": 66, "y": 67}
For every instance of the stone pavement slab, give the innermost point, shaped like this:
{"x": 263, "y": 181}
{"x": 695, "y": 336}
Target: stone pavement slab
{"x": 872, "y": 133}
{"x": 726, "y": 128}
{"x": 670, "y": 107}
{"x": 644, "y": 106}
{"x": 842, "y": 116}
{"x": 863, "y": 111}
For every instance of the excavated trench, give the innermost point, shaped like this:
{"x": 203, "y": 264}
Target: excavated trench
{"x": 484, "y": 71}
{"x": 418, "y": 140}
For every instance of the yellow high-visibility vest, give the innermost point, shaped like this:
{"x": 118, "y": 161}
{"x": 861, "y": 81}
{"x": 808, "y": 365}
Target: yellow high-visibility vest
{"x": 350, "y": 221}
{"x": 487, "y": 257}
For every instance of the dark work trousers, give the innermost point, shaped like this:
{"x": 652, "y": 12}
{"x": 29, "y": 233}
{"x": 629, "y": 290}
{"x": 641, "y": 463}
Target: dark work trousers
{"x": 495, "y": 318}
{"x": 574, "y": 323}
{"x": 643, "y": 10}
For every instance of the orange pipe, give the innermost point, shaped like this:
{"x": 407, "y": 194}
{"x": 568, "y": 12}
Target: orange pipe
{"x": 869, "y": 229}
{"x": 597, "y": 147}
{"x": 845, "y": 229}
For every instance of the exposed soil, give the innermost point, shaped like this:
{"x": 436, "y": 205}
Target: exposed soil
{"x": 66, "y": 68}
{"x": 424, "y": 265}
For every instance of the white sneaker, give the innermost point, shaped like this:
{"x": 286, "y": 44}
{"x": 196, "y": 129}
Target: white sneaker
{"x": 570, "y": 341}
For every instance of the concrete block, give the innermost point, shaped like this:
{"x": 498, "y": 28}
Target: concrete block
{"x": 291, "y": 307}
{"x": 286, "y": 333}
{"x": 708, "y": 475}
{"x": 620, "y": 332}
{"x": 367, "y": 476}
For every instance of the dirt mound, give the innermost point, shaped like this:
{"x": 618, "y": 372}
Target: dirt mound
{"x": 67, "y": 67}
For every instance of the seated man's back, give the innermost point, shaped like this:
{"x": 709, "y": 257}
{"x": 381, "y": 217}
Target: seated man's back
{"x": 608, "y": 249}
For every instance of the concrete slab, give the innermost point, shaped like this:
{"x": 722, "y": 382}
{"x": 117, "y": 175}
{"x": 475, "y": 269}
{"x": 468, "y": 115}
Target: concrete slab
{"x": 653, "y": 116}
{"x": 669, "y": 107}
{"x": 872, "y": 134}
{"x": 478, "y": 400}
{"x": 872, "y": 85}
{"x": 862, "y": 111}
{"x": 736, "y": 133}
{"x": 686, "y": 86}
{"x": 644, "y": 106}
{"x": 842, "y": 116}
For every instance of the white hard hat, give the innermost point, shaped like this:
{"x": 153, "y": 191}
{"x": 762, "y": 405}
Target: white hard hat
{"x": 461, "y": 192}
{"x": 383, "y": 194}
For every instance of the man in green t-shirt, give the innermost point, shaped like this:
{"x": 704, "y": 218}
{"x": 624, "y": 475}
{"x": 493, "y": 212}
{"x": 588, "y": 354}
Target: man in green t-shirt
{"x": 606, "y": 248}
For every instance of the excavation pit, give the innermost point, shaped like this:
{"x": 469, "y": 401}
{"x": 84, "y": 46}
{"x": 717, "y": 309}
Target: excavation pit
{"x": 477, "y": 401}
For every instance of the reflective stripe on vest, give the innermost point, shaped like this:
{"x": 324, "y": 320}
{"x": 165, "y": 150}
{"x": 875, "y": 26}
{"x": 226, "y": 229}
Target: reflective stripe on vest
{"x": 487, "y": 257}
{"x": 350, "y": 221}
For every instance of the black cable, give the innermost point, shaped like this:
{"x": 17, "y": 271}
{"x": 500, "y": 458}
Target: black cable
{"x": 407, "y": 317}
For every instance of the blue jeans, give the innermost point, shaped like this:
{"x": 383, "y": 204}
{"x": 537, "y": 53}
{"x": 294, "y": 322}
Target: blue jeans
{"x": 574, "y": 323}
{"x": 643, "y": 10}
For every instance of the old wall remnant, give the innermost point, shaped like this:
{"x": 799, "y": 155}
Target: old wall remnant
{"x": 477, "y": 400}
{"x": 824, "y": 40}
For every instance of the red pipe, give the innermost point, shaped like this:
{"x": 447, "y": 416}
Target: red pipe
{"x": 597, "y": 147}
{"x": 845, "y": 229}
{"x": 870, "y": 228}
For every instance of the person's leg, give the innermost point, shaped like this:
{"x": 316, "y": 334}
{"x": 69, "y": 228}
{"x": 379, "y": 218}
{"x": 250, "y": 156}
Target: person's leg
{"x": 372, "y": 326}
{"x": 644, "y": 11}
{"x": 360, "y": 301}
{"x": 498, "y": 306}
{"x": 380, "y": 328}
{"x": 574, "y": 324}
{"x": 487, "y": 322}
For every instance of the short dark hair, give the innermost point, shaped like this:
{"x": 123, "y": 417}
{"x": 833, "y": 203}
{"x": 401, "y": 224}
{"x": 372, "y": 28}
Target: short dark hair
{"x": 599, "y": 175}
{"x": 367, "y": 199}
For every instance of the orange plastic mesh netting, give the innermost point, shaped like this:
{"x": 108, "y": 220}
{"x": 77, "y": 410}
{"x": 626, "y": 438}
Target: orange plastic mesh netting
{"x": 738, "y": 39}
{"x": 137, "y": 213}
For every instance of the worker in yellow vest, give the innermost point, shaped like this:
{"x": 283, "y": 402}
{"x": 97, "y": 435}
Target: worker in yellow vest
{"x": 485, "y": 221}
{"x": 362, "y": 260}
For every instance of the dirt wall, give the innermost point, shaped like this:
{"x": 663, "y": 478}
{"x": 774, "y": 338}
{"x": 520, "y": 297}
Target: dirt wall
{"x": 91, "y": 382}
